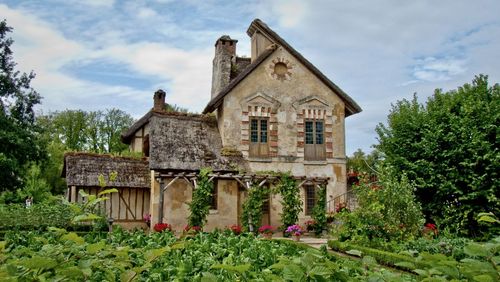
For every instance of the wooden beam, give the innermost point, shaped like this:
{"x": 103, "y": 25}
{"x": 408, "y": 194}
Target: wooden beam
{"x": 262, "y": 182}
{"x": 240, "y": 182}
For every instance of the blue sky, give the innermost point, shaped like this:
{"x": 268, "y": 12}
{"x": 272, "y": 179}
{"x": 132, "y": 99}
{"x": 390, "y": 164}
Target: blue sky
{"x": 99, "y": 54}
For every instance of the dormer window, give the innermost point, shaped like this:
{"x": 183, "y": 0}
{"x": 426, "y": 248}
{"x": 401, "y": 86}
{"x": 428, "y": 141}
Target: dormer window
{"x": 259, "y": 137}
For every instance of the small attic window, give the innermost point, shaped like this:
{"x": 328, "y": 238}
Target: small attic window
{"x": 280, "y": 68}
{"x": 145, "y": 146}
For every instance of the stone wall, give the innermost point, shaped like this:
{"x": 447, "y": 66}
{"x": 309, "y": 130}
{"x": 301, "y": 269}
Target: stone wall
{"x": 287, "y": 99}
{"x": 179, "y": 195}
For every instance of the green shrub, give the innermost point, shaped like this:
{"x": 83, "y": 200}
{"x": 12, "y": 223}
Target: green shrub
{"x": 387, "y": 258}
{"x": 387, "y": 212}
{"x": 37, "y": 217}
{"x": 447, "y": 246}
{"x": 44, "y": 215}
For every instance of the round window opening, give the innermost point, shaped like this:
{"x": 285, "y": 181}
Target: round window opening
{"x": 280, "y": 68}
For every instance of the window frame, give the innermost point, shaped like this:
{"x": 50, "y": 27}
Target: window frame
{"x": 259, "y": 148}
{"x": 214, "y": 201}
{"x": 309, "y": 206}
{"x": 316, "y": 150}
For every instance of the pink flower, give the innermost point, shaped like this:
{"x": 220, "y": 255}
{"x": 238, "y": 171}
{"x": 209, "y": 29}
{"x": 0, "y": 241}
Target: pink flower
{"x": 294, "y": 230}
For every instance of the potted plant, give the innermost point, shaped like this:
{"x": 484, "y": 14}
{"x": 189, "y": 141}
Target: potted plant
{"x": 295, "y": 230}
{"x": 310, "y": 225}
{"x": 266, "y": 231}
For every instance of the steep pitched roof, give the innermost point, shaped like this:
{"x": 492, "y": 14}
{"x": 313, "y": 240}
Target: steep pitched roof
{"x": 127, "y": 136}
{"x": 351, "y": 106}
{"x": 83, "y": 169}
{"x": 187, "y": 142}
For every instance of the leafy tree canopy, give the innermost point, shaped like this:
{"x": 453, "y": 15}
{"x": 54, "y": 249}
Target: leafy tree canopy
{"x": 18, "y": 133}
{"x": 94, "y": 131}
{"x": 364, "y": 163}
{"x": 449, "y": 147}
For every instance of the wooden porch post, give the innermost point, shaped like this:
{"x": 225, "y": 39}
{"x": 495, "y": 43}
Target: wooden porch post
{"x": 160, "y": 207}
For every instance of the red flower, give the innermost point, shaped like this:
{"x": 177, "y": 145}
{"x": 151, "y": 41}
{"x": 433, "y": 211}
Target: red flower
{"x": 266, "y": 229}
{"x": 236, "y": 229}
{"x": 430, "y": 228}
{"x": 160, "y": 227}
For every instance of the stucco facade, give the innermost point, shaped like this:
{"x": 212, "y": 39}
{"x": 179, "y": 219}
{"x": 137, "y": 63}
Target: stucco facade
{"x": 287, "y": 103}
{"x": 275, "y": 90}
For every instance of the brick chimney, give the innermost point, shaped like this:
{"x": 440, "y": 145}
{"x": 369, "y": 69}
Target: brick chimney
{"x": 225, "y": 52}
{"x": 159, "y": 101}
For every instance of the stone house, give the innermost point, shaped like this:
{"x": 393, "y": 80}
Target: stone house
{"x": 274, "y": 111}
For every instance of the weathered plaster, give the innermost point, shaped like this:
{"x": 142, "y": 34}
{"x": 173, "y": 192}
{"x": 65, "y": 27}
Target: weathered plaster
{"x": 302, "y": 94}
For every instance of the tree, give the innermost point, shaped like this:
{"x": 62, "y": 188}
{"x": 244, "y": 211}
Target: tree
{"x": 19, "y": 143}
{"x": 115, "y": 121}
{"x": 70, "y": 128}
{"x": 92, "y": 131}
{"x": 363, "y": 163}
{"x": 449, "y": 148}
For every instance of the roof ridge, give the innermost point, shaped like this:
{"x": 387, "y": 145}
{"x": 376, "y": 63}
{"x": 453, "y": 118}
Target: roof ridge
{"x": 351, "y": 106}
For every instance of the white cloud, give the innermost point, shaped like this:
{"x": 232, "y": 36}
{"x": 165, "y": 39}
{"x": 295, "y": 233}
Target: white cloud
{"x": 366, "y": 48}
{"x": 146, "y": 13}
{"x": 98, "y": 3}
{"x": 433, "y": 69}
{"x": 185, "y": 74}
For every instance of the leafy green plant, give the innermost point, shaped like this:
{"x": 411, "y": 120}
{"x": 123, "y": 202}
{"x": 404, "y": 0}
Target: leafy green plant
{"x": 449, "y": 147}
{"x": 138, "y": 256}
{"x": 319, "y": 211}
{"x": 40, "y": 216}
{"x": 387, "y": 212}
{"x": 200, "y": 204}
{"x": 291, "y": 201}
{"x": 387, "y": 258}
{"x": 447, "y": 246}
{"x": 252, "y": 207}
{"x": 482, "y": 264}
{"x": 90, "y": 211}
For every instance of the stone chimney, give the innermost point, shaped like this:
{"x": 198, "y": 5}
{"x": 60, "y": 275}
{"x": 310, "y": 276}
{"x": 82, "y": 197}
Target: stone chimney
{"x": 159, "y": 101}
{"x": 225, "y": 53}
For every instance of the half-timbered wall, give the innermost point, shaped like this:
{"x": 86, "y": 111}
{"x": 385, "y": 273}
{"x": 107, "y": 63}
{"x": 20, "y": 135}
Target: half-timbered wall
{"x": 128, "y": 205}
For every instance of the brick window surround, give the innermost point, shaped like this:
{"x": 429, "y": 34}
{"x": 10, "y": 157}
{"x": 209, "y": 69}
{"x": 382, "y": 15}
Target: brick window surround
{"x": 308, "y": 112}
{"x": 259, "y": 107}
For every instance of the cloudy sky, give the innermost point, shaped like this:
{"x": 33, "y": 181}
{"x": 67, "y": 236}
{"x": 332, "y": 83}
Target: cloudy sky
{"x": 97, "y": 54}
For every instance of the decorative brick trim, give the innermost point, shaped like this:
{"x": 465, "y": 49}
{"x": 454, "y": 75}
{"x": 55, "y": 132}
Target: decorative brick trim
{"x": 267, "y": 111}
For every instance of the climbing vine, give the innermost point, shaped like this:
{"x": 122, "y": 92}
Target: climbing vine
{"x": 319, "y": 210}
{"x": 291, "y": 201}
{"x": 252, "y": 207}
{"x": 202, "y": 195}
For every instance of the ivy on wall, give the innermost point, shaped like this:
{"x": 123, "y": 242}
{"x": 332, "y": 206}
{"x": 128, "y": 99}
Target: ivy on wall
{"x": 202, "y": 196}
{"x": 252, "y": 207}
{"x": 291, "y": 201}
{"x": 319, "y": 210}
